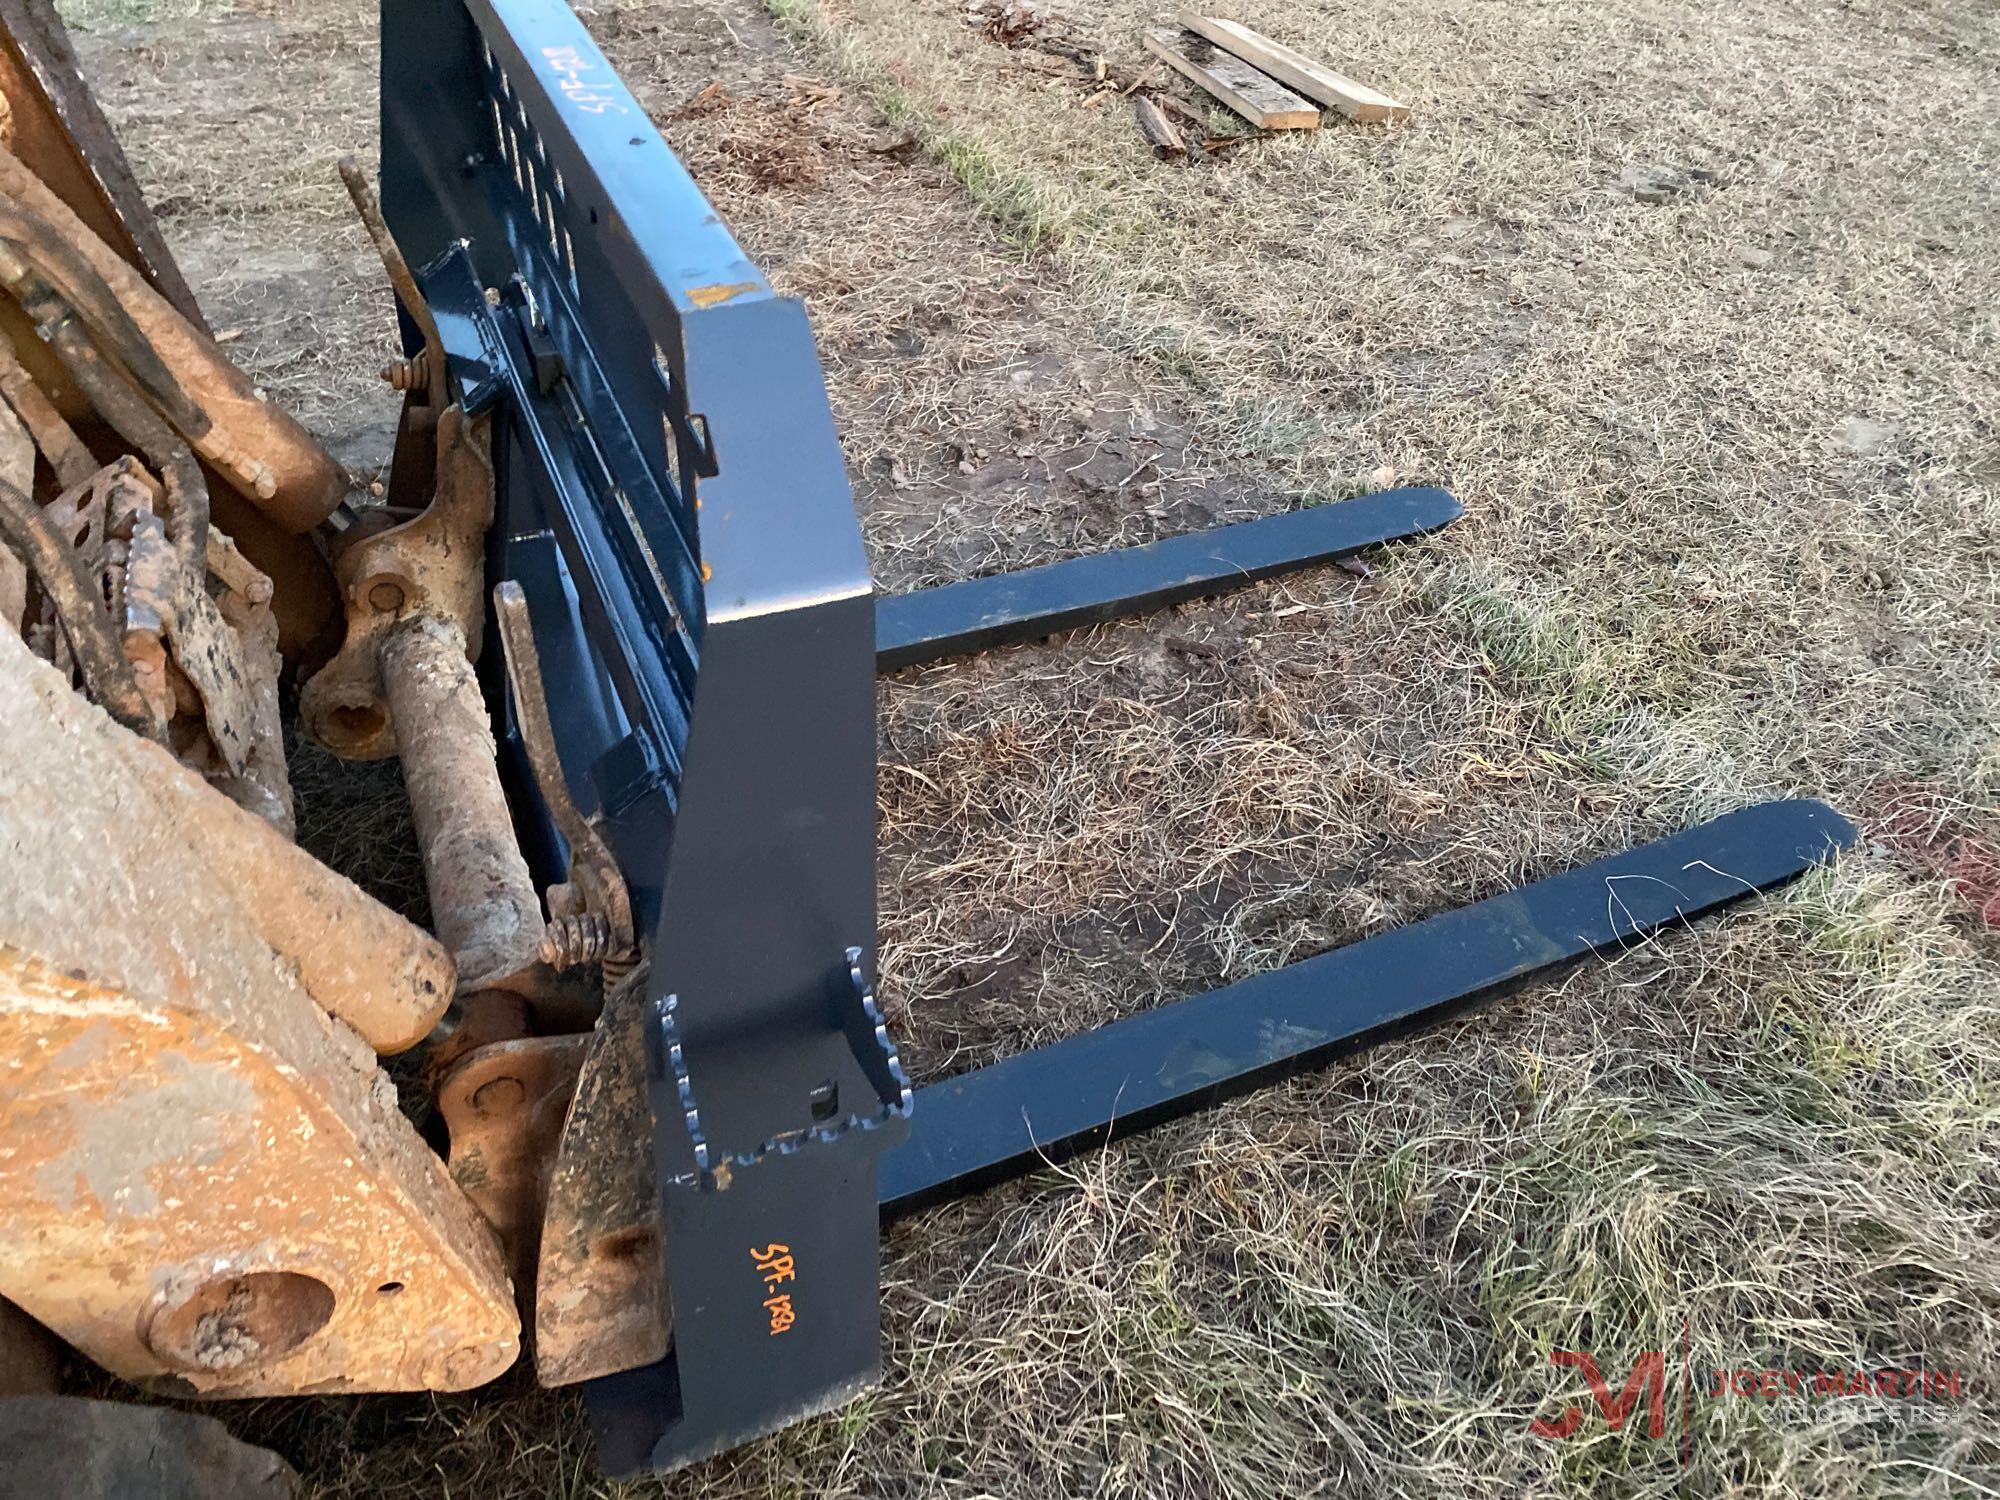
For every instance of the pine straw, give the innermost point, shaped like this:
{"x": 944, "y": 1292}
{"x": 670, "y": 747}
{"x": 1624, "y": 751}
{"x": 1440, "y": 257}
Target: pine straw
{"x": 1682, "y": 584}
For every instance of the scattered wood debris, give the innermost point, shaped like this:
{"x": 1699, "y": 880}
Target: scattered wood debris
{"x": 1269, "y": 84}
{"x": 809, "y": 93}
{"x": 1108, "y": 81}
{"x": 1157, "y": 128}
{"x": 1295, "y": 70}
{"x": 1008, "y": 22}
{"x": 1182, "y": 108}
{"x": 711, "y": 100}
{"x": 1261, "y": 100}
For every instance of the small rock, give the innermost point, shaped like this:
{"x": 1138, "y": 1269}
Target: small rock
{"x": 1658, "y": 184}
{"x": 1383, "y": 478}
{"x": 1081, "y": 413}
{"x": 1755, "y": 258}
{"x": 67, "y": 1446}
{"x": 1865, "y": 436}
{"x": 965, "y": 466}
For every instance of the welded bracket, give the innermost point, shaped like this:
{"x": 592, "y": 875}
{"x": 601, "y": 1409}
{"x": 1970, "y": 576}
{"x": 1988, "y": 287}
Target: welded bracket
{"x": 771, "y": 1239}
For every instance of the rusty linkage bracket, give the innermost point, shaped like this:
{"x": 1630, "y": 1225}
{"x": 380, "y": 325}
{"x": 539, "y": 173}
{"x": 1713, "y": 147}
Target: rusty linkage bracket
{"x": 208, "y": 1184}
{"x": 430, "y": 566}
{"x": 591, "y": 913}
{"x": 402, "y": 681}
{"x": 130, "y": 574}
{"x": 528, "y": 1114}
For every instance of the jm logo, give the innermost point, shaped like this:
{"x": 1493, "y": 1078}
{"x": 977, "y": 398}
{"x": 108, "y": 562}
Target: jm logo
{"x": 1648, "y": 1379}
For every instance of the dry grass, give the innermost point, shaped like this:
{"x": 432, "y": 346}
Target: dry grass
{"x": 1682, "y": 584}
{"x": 234, "y": 127}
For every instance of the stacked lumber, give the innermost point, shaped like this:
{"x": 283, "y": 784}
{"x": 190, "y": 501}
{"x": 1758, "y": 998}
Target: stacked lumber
{"x": 1258, "y": 97}
{"x": 1271, "y": 85}
{"x": 1295, "y": 70}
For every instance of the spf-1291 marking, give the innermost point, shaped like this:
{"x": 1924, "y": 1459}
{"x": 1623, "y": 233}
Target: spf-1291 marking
{"x": 774, "y": 1264}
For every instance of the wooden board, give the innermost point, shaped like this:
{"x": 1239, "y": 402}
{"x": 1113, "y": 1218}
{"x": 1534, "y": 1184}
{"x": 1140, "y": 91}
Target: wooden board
{"x": 1335, "y": 90}
{"x": 1265, "y": 104}
{"x": 1153, "y": 122}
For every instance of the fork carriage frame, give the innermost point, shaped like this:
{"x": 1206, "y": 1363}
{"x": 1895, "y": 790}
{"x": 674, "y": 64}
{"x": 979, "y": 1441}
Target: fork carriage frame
{"x": 672, "y": 500}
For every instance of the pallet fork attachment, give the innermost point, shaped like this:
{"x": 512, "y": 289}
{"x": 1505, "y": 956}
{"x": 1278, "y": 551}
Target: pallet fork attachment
{"x": 673, "y": 506}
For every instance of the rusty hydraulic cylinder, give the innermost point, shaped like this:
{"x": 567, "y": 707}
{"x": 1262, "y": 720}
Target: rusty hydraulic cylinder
{"x": 483, "y": 901}
{"x": 261, "y": 451}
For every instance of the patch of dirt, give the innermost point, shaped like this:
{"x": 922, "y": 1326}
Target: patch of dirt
{"x": 985, "y": 427}
{"x": 234, "y": 127}
{"x": 1920, "y": 824}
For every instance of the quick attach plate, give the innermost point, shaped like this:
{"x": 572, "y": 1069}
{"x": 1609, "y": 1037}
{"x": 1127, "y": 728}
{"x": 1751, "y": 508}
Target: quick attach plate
{"x": 673, "y": 503}
{"x": 674, "y": 506}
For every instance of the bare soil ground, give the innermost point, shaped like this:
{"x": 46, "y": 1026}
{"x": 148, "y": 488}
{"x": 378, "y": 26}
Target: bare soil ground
{"x": 1734, "y": 530}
